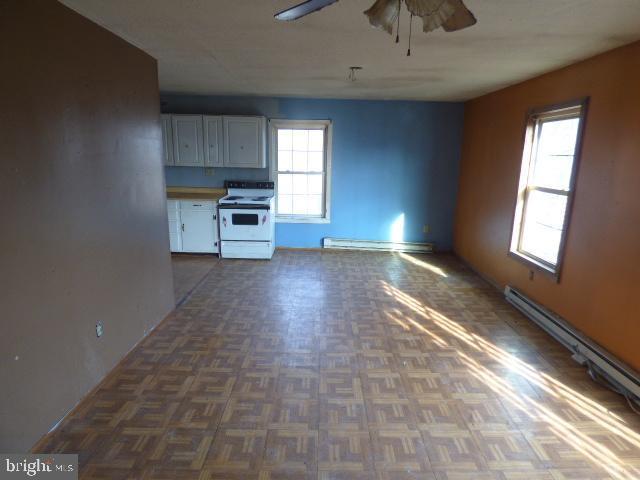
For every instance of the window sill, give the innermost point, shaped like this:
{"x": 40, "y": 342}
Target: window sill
{"x": 533, "y": 263}
{"x": 285, "y": 219}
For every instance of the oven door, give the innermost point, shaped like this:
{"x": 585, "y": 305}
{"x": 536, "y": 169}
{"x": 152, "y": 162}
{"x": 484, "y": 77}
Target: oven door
{"x": 248, "y": 223}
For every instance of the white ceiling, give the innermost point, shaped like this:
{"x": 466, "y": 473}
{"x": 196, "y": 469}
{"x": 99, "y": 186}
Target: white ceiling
{"x": 236, "y": 47}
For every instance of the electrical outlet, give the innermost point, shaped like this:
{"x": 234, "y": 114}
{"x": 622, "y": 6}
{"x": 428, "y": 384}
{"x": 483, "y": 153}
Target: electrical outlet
{"x": 426, "y": 229}
{"x": 208, "y": 171}
{"x": 99, "y": 329}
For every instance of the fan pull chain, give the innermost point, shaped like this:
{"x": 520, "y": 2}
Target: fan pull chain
{"x": 410, "y": 24}
{"x": 398, "y": 28}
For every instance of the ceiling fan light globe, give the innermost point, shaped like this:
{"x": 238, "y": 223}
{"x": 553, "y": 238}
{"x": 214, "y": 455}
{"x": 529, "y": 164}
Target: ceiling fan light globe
{"x": 434, "y": 13}
{"x": 383, "y": 14}
{"x": 463, "y": 18}
{"x": 421, "y": 8}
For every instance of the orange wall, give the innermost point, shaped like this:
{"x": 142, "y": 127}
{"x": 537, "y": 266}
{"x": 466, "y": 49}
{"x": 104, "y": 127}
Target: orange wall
{"x": 599, "y": 288}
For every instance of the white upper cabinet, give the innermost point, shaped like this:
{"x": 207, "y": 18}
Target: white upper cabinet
{"x": 244, "y": 142}
{"x": 214, "y": 141}
{"x": 167, "y": 139}
{"x": 187, "y": 140}
{"x": 213, "y": 149}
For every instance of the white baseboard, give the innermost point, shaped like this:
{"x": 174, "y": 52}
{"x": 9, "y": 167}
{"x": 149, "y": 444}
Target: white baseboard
{"x": 584, "y": 349}
{"x": 350, "y": 244}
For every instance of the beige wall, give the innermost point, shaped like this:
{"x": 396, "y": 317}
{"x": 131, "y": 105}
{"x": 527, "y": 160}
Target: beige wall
{"x": 599, "y": 287}
{"x": 84, "y": 232}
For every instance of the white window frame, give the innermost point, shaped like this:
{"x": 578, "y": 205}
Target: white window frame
{"x": 327, "y": 126}
{"x": 575, "y": 109}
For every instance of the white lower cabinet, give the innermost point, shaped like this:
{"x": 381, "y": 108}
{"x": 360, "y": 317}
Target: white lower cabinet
{"x": 175, "y": 237}
{"x": 193, "y": 226}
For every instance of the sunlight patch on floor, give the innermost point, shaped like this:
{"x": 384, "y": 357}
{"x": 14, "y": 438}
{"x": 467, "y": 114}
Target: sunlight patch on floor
{"x": 536, "y": 410}
{"x": 422, "y": 264}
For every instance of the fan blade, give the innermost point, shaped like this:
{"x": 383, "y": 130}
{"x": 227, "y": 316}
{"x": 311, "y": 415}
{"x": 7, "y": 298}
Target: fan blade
{"x": 302, "y": 9}
{"x": 462, "y": 18}
{"x": 383, "y": 14}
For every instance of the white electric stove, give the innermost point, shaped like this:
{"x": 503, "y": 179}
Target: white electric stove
{"x": 247, "y": 220}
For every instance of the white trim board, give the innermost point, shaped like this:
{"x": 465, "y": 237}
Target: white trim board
{"x": 351, "y": 244}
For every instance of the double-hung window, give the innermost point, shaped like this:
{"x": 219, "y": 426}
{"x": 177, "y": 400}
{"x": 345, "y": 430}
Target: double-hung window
{"x": 547, "y": 181}
{"x": 301, "y": 169}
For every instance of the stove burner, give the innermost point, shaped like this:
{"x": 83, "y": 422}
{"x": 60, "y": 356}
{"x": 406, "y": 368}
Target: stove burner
{"x": 259, "y": 199}
{"x": 234, "y": 197}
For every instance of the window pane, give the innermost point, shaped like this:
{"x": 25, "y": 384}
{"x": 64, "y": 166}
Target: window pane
{"x": 299, "y": 184}
{"x": 543, "y": 223}
{"x": 554, "y": 156}
{"x": 284, "y": 160}
{"x": 316, "y": 161}
{"x": 553, "y": 171}
{"x": 315, "y": 205}
{"x": 316, "y": 140}
{"x": 299, "y": 161}
{"x": 315, "y": 184}
{"x": 303, "y": 151}
{"x": 285, "y": 204}
{"x": 301, "y": 140}
{"x": 558, "y": 137}
{"x": 284, "y": 139}
{"x": 299, "y": 204}
{"x": 285, "y": 184}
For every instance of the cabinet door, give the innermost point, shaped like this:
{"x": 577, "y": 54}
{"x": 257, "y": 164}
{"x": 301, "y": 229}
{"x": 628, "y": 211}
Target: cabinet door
{"x": 198, "y": 231}
{"x": 167, "y": 139}
{"x": 213, "y": 151}
{"x": 175, "y": 231}
{"x": 187, "y": 140}
{"x": 244, "y": 142}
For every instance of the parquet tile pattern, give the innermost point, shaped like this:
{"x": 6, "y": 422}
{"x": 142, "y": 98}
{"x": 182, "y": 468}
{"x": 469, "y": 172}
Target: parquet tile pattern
{"x": 349, "y": 365}
{"x": 188, "y": 270}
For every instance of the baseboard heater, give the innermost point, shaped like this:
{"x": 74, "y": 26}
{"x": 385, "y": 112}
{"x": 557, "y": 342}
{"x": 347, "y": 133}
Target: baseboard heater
{"x": 350, "y": 244}
{"x": 585, "y": 351}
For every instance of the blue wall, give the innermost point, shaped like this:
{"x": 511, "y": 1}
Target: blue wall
{"x": 389, "y": 159}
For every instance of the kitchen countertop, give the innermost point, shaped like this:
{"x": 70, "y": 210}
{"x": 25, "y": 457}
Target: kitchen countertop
{"x": 196, "y": 192}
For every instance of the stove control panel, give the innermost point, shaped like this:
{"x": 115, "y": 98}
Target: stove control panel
{"x": 253, "y": 185}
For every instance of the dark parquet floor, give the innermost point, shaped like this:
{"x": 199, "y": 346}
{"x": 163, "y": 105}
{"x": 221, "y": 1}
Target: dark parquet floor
{"x": 188, "y": 271}
{"x": 349, "y": 365}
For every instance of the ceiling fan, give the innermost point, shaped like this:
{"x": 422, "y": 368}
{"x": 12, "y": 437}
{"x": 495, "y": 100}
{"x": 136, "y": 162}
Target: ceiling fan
{"x": 451, "y": 15}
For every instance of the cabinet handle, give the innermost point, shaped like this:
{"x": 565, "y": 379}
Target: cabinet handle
{"x": 183, "y": 227}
